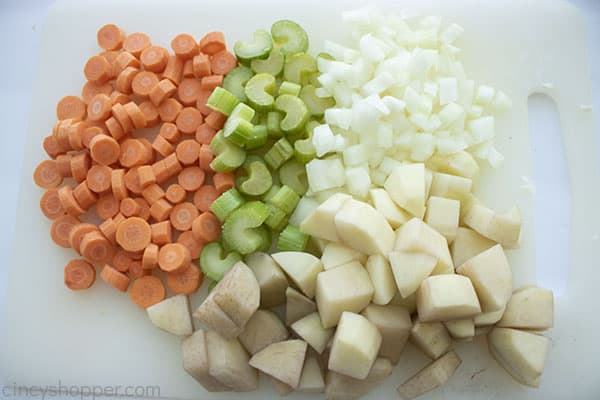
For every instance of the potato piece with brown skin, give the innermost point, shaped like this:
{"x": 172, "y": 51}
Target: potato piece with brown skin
{"x": 228, "y": 363}
{"x": 195, "y": 362}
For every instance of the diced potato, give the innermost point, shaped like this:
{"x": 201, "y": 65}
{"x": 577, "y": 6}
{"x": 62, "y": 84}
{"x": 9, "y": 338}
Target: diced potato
{"x": 467, "y": 244}
{"x": 311, "y": 330}
{"x": 345, "y": 288}
{"x": 461, "y": 163}
{"x": 417, "y": 236}
{"x": 442, "y": 215}
{"x": 270, "y": 278}
{"x": 446, "y": 297}
{"x": 355, "y": 346}
{"x": 336, "y": 254}
{"x": 461, "y": 328}
{"x": 394, "y": 324}
{"x": 232, "y": 302}
{"x": 432, "y": 376}
{"x": 530, "y": 307}
{"x": 406, "y": 186}
{"x": 384, "y": 205}
{"x": 261, "y": 330}
{"x": 491, "y": 276}
{"x": 450, "y": 186}
{"x": 521, "y": 354}
{"x": 228, "y": 363}
{"x": 360, "y": 227}
{"x": 382, "y": 278}
{"x": 410, "y": 302}
{"x": 302, "y": 268}
{"x": 283, "y": 389}
{"x": 195, "y": 362}
{"x": 410, "y": 269}
{"x": 501, "y": 228}
{"x": 343, "y": 387}
{"x": 321, "y": 223}
{"x": 311, "y": 380}
{"x": 297, "y": 306}
{"x": 282, "y": 360}
{"x": 431, "y": 337}
{"x": 172, "y": 315}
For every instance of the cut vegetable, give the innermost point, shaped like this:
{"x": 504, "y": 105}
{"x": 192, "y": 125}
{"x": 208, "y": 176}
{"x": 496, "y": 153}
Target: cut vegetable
{"x": 311, "y": 330}
{"x": 235, "y": 81}
{"x": 302, "y": 268}
{"x": 215, "y": 263}
{"x": 259, "y": 47}
{"x": 291, "y": 239}
{"x": 239, "y": 229}
{"x": 432, "y": 376}
{"x": 228, "y": 156}
{"x": 394, "y": 324}
{"x": 296, "y": 114}
{"x": 172, "y": 315}
{"x": 262, "y": 329}
{"x": 272, "y": 65}
{"x": 297, "y": 306}
{"x": 282, "y": 360}
{"x": 227, "y": 203}
{"x": 289, "y": 36}
{"x": 260, "y": 90}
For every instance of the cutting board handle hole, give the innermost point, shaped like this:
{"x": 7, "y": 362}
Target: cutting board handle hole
{"x": 552, "y": 193}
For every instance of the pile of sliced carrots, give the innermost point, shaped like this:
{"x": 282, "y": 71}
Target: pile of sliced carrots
{"x": 128, "y": 182}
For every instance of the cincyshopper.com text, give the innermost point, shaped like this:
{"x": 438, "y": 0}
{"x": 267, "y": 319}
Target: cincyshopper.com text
{"x": 82, "y": 392}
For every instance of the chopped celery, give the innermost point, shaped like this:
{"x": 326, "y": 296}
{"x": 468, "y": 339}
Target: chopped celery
{"x": 293, "y": 174}
{"x": 259, "y": 47}
{"x": 239, "y": 131}
{"x": 285, "y": 199}
{"x": 296, "y": 113}
{"x": 315, "y": 105}
{"x": 259, "y": 137}
{"x": 258, "y": 179}
{"x": 266, "y": 238}
{"x": 222, "y": 100}
{"x": 228, "y": 156}
{"x": 243, "y": 111}
{"x": 277, "y": 218}
{"x": 236, "y": 79}
{"x": 304, "y": 150}
{"x": 299, "y": 68}
{"x": 290, "y": 36}
{"x": 291, "y": 239}
{"x": 214, "y": 263}
{"x": 273, "y": 121}
{"x": 289, "y": 88}
{"x": 271, "y": 65}
{"x": 279, "y": 153}
{"x": 270, "y": 193}
{"x": 226, "y": 203}
{"x": 239, "y": 231}
{"x": 259, "y": 91}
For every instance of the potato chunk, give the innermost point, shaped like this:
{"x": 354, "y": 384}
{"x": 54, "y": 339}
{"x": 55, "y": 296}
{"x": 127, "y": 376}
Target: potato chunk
{"x": 432, "y": 376}
{"x": 270, "y": 278}
{"x": 446, "y": 297}
{"x": 302, "y": 268}
{"x": 262, "y": 329}
{"x": 282, "y": 360}
{"x": 394, "y": 324}
{"x": 530, "y": 307}
{"x": 431, "y": 337}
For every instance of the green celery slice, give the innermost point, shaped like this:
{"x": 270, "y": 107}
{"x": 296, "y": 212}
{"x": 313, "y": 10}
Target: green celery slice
{"x": 289, "y": 88}
{"x": 259, "y": 47}
{"x": 266, "y": 237}
{"x": 271, "y": 65}
{"x": 316, "y": 105}
{"x": 291, "y": 239}
{"x": 273, "y": 124}
{"x": 222, "y": 100}
{"x": 236, "y": 79}
{"x": 214, "y": 263}
{"x": 285, "y": 199}
{"x": 289, "y": 36}
{"x": 226, "y": 203}
{"x": 293, "y": 175}
{"x": 299, "y": 68}
{"x": 280, "y": 152}
{"x": 270, "y": 193}
{"x": 296, "y": 113}
{"x": 277, "y": 218}
{"x": 258, "y": 179}
{"x": 239, "y": 231}
{"x": 259, "y": 137}
{"x": 260, "y": 90}
{"x": 228, "y": 156}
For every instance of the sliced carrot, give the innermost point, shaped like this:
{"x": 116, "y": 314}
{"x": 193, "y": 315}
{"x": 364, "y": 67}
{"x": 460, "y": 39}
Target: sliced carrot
{"x": 205, "y": 134}
{"x": 96, "y": 248}
{"x": 125, "y": 79}
{"x": 150, "y": 257}
{"x": 184, "y": 46}
{"x": 80, "y": 165}
{"x": 84, "y": 196}
{"x": 51, "y": 147}
{"x": 91, "y": 89}
{"x": 99, "y": 178}
{"x": 205, "y": 157}
{"x": 79, "y": 274}
{"x": 114, "y": 278}
{"x": 97, "y": 69}
{"x": 121, "y": 260}
{"x": 162, "y": 146}
{"x": 169, "y": 131}
{"x": 74, "y": 133}
{"x": 143, "y": 83}
{"x": 160, "y": 210}
{"x": 175, "y": 193}
{"x": 117, "y": 183}
{"x": 111, "y": 57}
{"x": 212, "y": 43}
{"x": 211, "y": 82}
{"x": 222, "y": 62}
{"x": 162, "y": 233}
{"x": 188, "y": 68}
{"x": 119, "y": 218}
{"x": 173, "y": 165}
{"x": 146, "y": 176}
{"x": 150, "y": 113}
{"x": 133, "y": 153}
{"x": 136, "y": 270}
{"x": 223, "y": 181}
{"x": 124, "y": 60}
{"x": 160, "y": 171}
{"x": 135, "y": 115}
{"x": 61, "y": 228}
{"x": 188, "y": 120}
{"x": 119, "y": 112}
{"x": 201, "y": 65}
{"x": 216, "y": 120}
{"x": 129, "y": 207}
{"x": 132, "y": 181}
{"x": 110, "y": 37}
{"x": 206, "y": 227}
{"x": 144, "y": 209}
{"x": 204, "y": 197}
{"x": 154, "y": 58}
{"x": 162, "y": 91}
{"x": 104, "y": 150}
{"x": 50, "y": 204}
{"x": 187, "y": 151}
{"x": 153, "y": 193}
{"x": 186, "y": 282}
{"x": 147, "y": 291}
{"x": 169, "y": 109}
{"x": 183, "y": 215}
{"x": 136, "y": 42}
{"x": 109, "y": 230}
{"x": 89, "y": 133}
{"x": 133, "y": 234}
{"x": 117, "y": 97}
{"x": 174, "y": 69}
{"x": 191, "y": 178}
{"x": 63, "y": 165}
{"x": 148, "y": 150}
{"x": 46, "y": 175}
{"x": 68, "y": 202}
{"x": 174, "y": 257}
{"x": 62, "y": 133}
{"x": 107, "y": 206}
{"x": 193, "y": 245}
{"x": 70, "y": 107}
{"x": 114, "y": 128}
{"x": 201, "y": 103}
{"x": 188, "y": 91}
{"x": 78, "y": 232}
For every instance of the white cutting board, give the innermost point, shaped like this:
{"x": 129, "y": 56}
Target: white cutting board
{"x": 98, "y": 337}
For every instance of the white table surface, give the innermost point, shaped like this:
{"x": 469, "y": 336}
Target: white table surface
{"x": 21, "y": 24}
